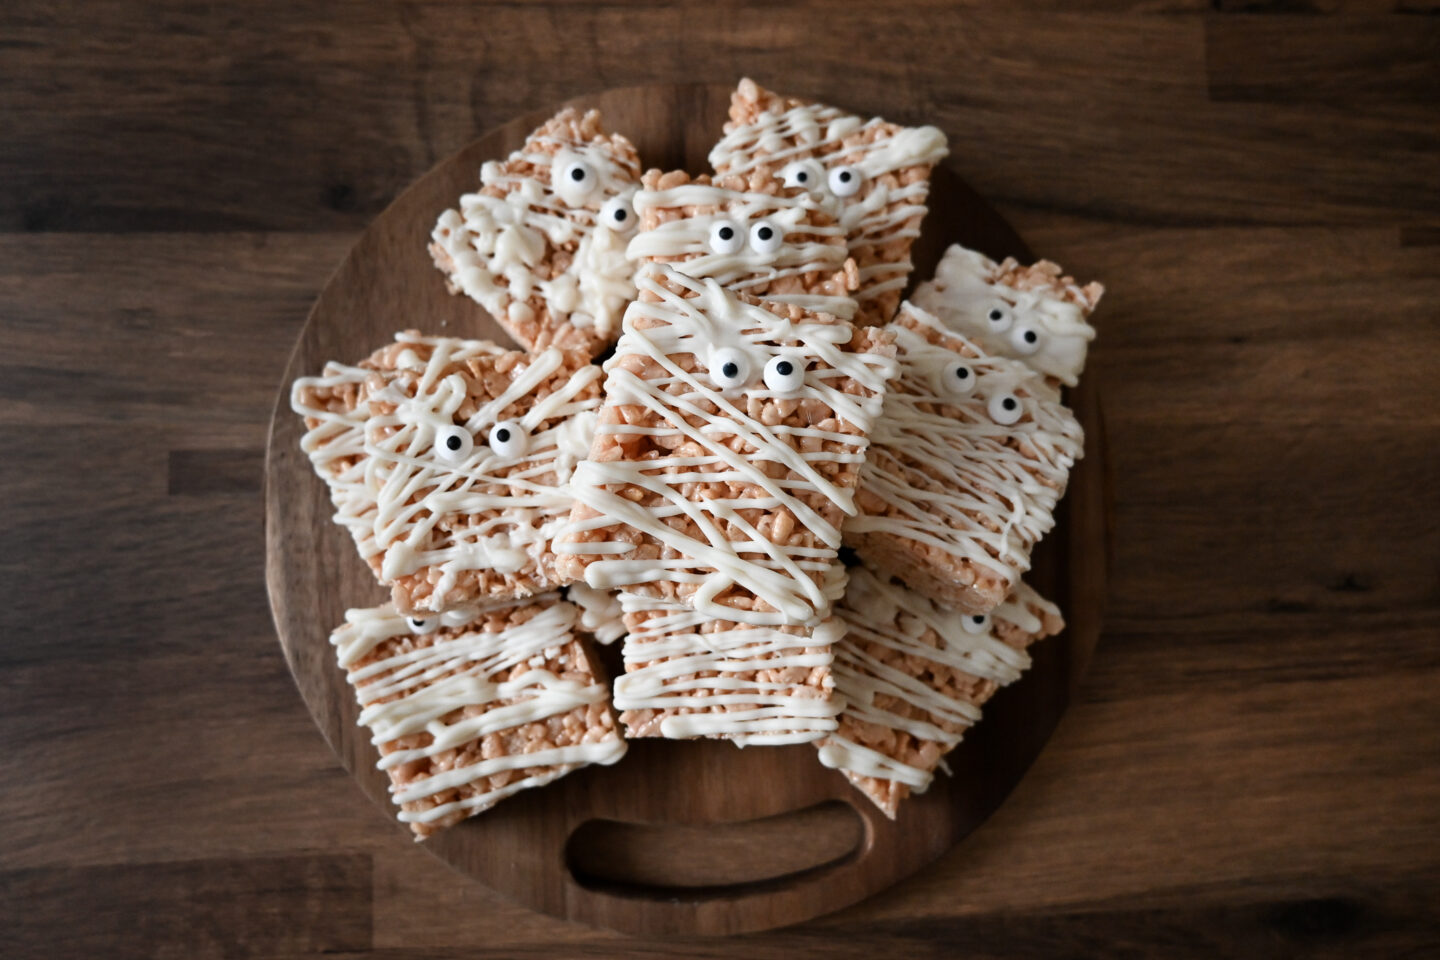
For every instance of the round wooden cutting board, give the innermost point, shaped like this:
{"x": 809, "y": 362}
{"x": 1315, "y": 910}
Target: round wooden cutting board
{"x": 679, "y": 837}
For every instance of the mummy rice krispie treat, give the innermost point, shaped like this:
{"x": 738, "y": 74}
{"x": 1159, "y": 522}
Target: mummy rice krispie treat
{"x": 965, "y": 468}
{"x": 913, "y": 677}
{"x": 752, "y": 235}
{"x": 541, "y": 246}
{"x": 727, "y": 453}
{"x": 874, "y": 174}
{"x": 448, "y": 461}
{"x": 471, "y": 706}
{"x": 688, "y": 674}
{"x": 1035, "y": 314}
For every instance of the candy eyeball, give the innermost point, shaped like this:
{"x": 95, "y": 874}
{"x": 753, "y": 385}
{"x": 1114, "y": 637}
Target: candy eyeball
{"x": 845, "y": 181}
{"x": 957, "y": 379}
{"x": 509, "y": 439}
{"x": 805, "y": 174}
{"x": 729, "y": 368}
{"x": 726, "y": 237}
{"x": 998, "y": 316}
{"x": 765, "y": 238}
{"x": 577, "y": 177}
{"x": 976, "y": 622}
{"x": 1004, "y": 408}
{"x": 420, "y": 626}
{"x": 618, "y": 215}
{"x": 453, "y": 444}
{"x": 785, "y": 373}
{"x": 1025, "y": 339}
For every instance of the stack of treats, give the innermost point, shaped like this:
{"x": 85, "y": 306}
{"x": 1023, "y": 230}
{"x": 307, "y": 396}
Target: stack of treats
{"x": 767, "y": 399}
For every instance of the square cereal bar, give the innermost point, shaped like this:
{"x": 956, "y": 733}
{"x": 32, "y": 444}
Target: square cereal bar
{"x": 754, "y": 236}
{"x": 875, "y": 174}
{"x": 447, "y": 461}
{"x": 472, "y": 706}
{"x": 541, "y": 246}
{"x": 1035, "y": 314}
{"x": 913, "y": 677}
{"x": 966, "y": 465}
{"x": 727, "y": 453}
{"x": 688, "y": 674}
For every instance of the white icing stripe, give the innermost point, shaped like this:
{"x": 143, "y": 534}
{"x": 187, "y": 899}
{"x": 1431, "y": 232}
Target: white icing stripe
{"x": 422, "y": 686}
{"x": 499, "y": 244}
{"x": 600, "y": 612}
{"x": 871, "y": 216}
{"x": 1002, "y": 480}
{"x": 670, "y": 664}
{"x": 968, "y": 286}
{"x": 402, "y": 499}
{"x": 781, "y": 575}
{"x": 885, "y": 616}
{"x": 744, "y": 268}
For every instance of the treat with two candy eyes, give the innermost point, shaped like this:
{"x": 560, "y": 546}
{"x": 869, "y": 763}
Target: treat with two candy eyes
{"x": 966, "y": 465}
{"x": 1035, "y": 313}
{"x": 448, "y": 462}
{"x": 872, "y": 174}
{"x": 913, "y": 677}
{"x": 753, "y": 236}
{"x": 541, "y": 245}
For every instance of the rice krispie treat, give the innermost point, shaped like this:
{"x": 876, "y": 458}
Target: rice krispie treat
{"x": 727, "y": 453}
{"x": 541, "y": 246}
{"x": 751, "y": 234}
{"x": 966, "y": 465}
{"x": 448, "y": 461}
{"x": 1035, "y": 313}
{"x": 874, "y": 174}
{"x": 688, "y": 674}
{"x": 913, "y": 677}
{"x": 471, "y": 706}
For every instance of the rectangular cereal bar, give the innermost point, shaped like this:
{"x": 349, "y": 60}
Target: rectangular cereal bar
{"x": 727, "y": 453}
{"x": 447, "y": 461}
{"x": 913, "y": 676}
{"x": 541, "y": 245}
{"x": 874, "y": 174}
{"x": 1035, "y": 314}
{"x": 472, "y": 706}
{"x": 688, "y": 674}
{"x": 754, "y": 236}
{"x": 966, "y": 465}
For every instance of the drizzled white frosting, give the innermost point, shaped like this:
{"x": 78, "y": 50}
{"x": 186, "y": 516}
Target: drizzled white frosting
{"x": 601, "y": 615}
{"x": 783, "y": 576}
{"x": 873, "y": 214}
{"x": 404, "y": 501}
{"x": 888, "y": 615}
{"x": 750, "y": 265}
{"x": 981, "y": 467}
{"x": 497, "y": 243}
{"x": 671, "y": 665}
{"x": 967, "y": 286}
{"x": 424, "y": 686}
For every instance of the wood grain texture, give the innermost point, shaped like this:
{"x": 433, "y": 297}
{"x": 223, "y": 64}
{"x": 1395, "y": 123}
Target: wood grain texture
{"x": 678, "y": 838}
{"x": 1249, "y": 767}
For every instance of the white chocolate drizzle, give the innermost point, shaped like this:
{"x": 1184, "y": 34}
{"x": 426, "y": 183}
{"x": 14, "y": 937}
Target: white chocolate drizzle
{"x": 885, "y": 614}
{"x": 412, "y": 508}
{"x": 967, "y": 285}
{"x": 783, "y": 576}
{"x": 601, "y": 615}
{"x": 874, "y": 215}
{"x": 997, "y": 483}
{"x": 747, "y": 267}
{"x": 423, "y": 687}
{"x": 497, "y": 244}
{"x": 671, "y": 665}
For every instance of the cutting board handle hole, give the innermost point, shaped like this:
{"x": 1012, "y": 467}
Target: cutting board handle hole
{"x": 706, "y": 861}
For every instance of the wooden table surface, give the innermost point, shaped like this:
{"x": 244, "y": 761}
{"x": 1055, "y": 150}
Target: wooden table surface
{"x": 1253, "y": 765}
